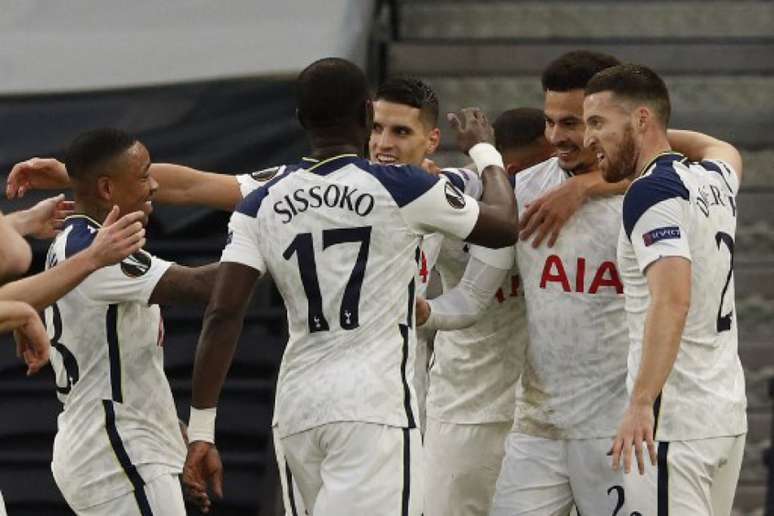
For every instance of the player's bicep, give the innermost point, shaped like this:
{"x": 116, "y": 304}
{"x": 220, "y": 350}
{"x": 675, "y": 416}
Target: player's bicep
{"x": 669, "y": 281}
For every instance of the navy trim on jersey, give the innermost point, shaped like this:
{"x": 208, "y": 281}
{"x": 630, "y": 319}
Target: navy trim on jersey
{"x": 661, "y": 184}
{"x": 406, "y": 472}
{"x": 123, "y": 458}
{"x": 663, "y": 480}
{"x": 332, "y": 164}
{"x": 411, "y": 289}
{"x": 455, "y": 179}
{"x": 252, "y": 203}
{"x": 405, "y": 183}
{"x": 656, "y": 413}
{"x": 80, "y": 237}
{"x": 715, "y": 167}
{"x": 114, "y": 353}
{"x": 291, "y": 495}
{"x": 404, "y": 333}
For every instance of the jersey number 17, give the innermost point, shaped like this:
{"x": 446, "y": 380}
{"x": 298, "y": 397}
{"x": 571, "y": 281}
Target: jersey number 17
{"x": 303, "y": 247}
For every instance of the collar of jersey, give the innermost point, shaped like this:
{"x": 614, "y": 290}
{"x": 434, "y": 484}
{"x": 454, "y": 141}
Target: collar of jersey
{"x": 328, "y": 165}
{"x": 667, "y": 157}
{"x": 78, "y": 217}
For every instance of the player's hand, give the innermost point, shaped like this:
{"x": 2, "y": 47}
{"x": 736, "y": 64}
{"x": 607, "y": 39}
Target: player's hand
{"x": 546, "y": 216}
{"x": 430, "y": 167}
{"x": 36, "y": 174}
{"x": 422, "y": 310}
{"x": 636, "y": 427}
{"x": 470, "y": 127}
{"x": 203, "y": 469}
{"x": 45, "y": 219}
{"x": 32, "y": 344}
{"x": 117, "y": 238}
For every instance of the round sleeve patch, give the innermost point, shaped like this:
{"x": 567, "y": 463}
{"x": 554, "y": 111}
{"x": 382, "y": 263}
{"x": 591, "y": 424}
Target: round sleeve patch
{"x": 137, "y": 264}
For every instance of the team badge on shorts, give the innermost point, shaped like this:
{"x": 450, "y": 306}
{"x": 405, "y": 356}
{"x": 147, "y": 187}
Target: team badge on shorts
{"x": 137, "y": 264}
{"x": 454, "y": 197}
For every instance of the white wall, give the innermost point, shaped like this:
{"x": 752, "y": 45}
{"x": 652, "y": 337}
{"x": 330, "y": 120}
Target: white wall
{"x": 71, "y": 45}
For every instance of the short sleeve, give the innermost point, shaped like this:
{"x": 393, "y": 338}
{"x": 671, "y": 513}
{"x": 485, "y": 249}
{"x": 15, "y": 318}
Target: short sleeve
{"x": 465, "y": 180}
{"x": 660, "y": 232}
{"x": 134, "y": 279}
{"x": 442, "y": 208}
{"x": 726, "y": 171}
{"x": 252, "y": 181}
{"x": 242, "y": 243}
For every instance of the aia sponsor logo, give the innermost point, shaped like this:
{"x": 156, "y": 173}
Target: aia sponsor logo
{"x": 605, "y": 276}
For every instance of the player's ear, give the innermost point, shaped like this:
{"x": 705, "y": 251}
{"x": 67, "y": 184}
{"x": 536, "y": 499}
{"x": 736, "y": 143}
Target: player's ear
{"x": 434, "y": 139}
{"x": 643, "y": 117}
{"x": 105, "y": 189}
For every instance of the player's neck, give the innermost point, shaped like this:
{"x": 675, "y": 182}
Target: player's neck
{"x": 329, "y": 151}
{"x": 335, "y": 143}
{"x": 652, "y": 145}
{"x": 95, "y": 213}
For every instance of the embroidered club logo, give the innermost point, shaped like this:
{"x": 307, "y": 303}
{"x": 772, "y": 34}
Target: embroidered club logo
{"x": 454, "y": 197}
{"x": 137, "y": 264}
{"x": 665, "y": 233}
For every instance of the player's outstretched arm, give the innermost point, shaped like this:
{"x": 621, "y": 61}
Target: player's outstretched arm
{"x": 465, "y": 304}
{"x": 178, "y": 184}
{"x": 183, "y": 185}
{"x": 220, "y": 332}
{"x": 497, "y": 224}
{"x": 44, "y": 219}
{"x": 182, "y": 285}
{"x": 31, "y": 339}
{"x": 546, "y": 216}
{"x": 117, "y": 239}
{"x": 669, "y": 282}
{"x": 15, "y": 253}
{"x": 698, "y": 146}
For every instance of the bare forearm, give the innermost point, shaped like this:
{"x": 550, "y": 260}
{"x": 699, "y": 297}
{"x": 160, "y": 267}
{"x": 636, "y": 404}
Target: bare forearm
{"x": 14, "y": 314}
{"x": 498, "y": 193}
{"x": 43, "y": 289}
{"x": 593, "y": 184}
{"x": 183, "y": 185}
{"x": 214, "y": 354}
{"x": 661, "y": 343}
{"x": 698, "y": 146}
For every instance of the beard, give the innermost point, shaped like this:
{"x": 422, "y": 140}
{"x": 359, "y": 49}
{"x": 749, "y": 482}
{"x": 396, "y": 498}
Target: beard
{"x": 622, "y": 164}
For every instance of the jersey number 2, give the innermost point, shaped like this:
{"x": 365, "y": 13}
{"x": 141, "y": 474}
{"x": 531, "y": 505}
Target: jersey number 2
{"x": 724, "y": 321}
{"x": 303, "y": 247}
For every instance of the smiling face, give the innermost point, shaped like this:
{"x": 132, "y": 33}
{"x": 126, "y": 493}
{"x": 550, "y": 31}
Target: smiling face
{"x": 610, "y": 135}
{"x": 564, "y": 129}
{"x": 131, "y": 185}
{"x": 400, "y": 136}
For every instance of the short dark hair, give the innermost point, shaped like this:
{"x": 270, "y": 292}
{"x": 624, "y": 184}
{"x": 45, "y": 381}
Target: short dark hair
{"x": 93, "y": 148}
{"x": 636, "y": 83}
{"x": 331, "y": 92}
{"x": 518, "y": 127}
{"x": 573, "y": 70}
{"x": 412, "y": 92}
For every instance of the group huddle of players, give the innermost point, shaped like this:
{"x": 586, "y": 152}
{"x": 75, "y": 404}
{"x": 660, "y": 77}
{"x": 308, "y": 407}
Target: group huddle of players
{"x": 587, "y": 316}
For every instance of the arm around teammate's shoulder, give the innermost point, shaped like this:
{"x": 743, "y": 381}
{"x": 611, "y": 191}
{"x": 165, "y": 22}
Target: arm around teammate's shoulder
{"x": 698, "y": 146}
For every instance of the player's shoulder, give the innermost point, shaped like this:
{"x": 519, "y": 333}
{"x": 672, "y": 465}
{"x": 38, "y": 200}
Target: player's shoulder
{"x": 718, "y": 172}
{"x": 404, "y": 183}
{"x": 251, "y": 203}
{"x": 537, "y": 178}
{"x": 79, "y": 232}
{"x": 662, "y": 180}
{"x": 459, "y": 177}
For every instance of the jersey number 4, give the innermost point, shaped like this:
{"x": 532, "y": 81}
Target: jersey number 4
{"x": 302, "y": 246}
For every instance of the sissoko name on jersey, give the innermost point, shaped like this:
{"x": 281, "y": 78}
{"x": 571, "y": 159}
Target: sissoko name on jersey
{"x": 317, "y": 196}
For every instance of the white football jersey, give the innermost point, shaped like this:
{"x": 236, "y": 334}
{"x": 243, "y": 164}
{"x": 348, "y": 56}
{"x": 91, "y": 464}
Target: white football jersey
{"x": 119, "y": 426}
{"x": 475, "y": 369}
{"x": 688, "y": 209}
{"x": 573, "y": 385}
{"x": 340, "y": 238}
{"x": 253, "y": 180}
